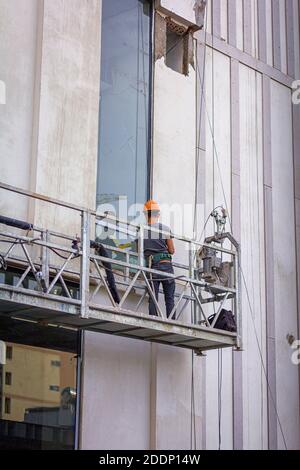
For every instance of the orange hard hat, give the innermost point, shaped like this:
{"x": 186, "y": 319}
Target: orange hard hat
{"x": 151, "y": 206}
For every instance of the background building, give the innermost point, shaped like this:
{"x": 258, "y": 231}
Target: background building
{"x": 34, "y": 378}
{"x": 131, "y": 98}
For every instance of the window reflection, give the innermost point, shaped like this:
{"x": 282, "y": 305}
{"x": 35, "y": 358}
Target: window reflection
{"x": 38, "y": 397}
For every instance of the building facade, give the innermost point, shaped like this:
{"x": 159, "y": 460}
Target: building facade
{"x": 193, "y": 103}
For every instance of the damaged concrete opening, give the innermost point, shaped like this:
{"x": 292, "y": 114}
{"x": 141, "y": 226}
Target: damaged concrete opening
{"x": 174, "y": 50}
{"x": 174, "y": 42}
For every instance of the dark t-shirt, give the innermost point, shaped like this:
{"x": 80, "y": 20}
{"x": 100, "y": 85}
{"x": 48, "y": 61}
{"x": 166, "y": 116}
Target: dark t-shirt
{"x": 156, "y": 242}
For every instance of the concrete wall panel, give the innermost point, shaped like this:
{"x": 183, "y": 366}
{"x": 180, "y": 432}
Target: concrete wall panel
{"x": 296, "y": 17}
{"x": 174, "y": 140}
{"x": 232, "y": 23}
{"x": 18, "y": 46}
{"x": 67, "y": 145}
{"x": 262, "y": 30}
{"x": 182, "y": 9}
{"x": 277, "y": 44}
{"x": 290, "y": 25}
{"x": 208, "y": 21}
{"x": 239, "y": 25}
{"x": 236, "y": 230}
{"x": 173, "y": 399}
{"x": 218, "y": 172}
{"x": 224, "y": 20}
{"x": 252, "y": 242}
{"x": 216, "y": 17}
{"x": 269, "y": 32}
{"x": 284, "y": 264}
{"x": 247, "y": 24}
{"x": 116, "y": 393}
{"x": 283, "y": 35}
{"x": 254, "y": 25}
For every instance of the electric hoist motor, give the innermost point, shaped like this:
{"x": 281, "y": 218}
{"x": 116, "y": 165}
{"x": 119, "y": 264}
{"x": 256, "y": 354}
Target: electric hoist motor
{"x": 212, "y": 269}
{"x": 210, "y": 266}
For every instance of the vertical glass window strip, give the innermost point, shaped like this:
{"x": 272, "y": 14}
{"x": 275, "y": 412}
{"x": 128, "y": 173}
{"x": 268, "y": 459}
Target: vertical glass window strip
{"x": 7, "y": 405}
{"x": 124, "y": 103}
{"x": 8, "y": 377}
{"x": 9, "y": 352}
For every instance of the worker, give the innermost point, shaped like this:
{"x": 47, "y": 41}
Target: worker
{"x": 158, "y": 251}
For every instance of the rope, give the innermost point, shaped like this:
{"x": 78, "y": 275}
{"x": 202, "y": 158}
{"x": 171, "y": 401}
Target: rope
{"x": 193, "y": 437}
{"x": 220, "y": 378}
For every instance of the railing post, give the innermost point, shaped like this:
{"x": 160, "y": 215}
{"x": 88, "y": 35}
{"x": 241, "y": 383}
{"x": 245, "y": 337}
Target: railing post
{"x": 127, "y": 269}
{"x": 191, "y": 260}
{"x": 45, "y": 258}
{"x": 238, "y": 299}
{"x": 85, "y": 264}
{"x": 191, "y": 275}
{"x": 141, "y": 245}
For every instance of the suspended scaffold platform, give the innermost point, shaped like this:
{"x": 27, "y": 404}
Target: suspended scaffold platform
{"x": 60, "y": 280}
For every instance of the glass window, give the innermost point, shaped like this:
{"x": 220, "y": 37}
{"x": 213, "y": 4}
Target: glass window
{"x": 7, "y": 378}
{"x": 38, "y": 401}
{"x": 124, "y": 102}
{"x": 9, "y": 352}
{"x": 55, "y": 363}
{"x": 7, "y": 405}
{"x": 12, "y": 277}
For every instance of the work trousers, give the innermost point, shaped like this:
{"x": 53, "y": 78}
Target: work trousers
{"x": 168, "y": 286}
{"x": 101, "y": 251}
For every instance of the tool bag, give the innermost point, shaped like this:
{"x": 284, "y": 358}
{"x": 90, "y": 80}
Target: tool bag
{"x": 161, "y": 257}
{"x": 226, "y": 321}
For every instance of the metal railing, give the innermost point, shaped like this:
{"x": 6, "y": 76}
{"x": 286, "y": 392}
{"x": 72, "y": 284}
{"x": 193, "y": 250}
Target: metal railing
{"x": 52, "y": 259}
